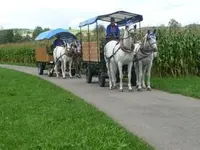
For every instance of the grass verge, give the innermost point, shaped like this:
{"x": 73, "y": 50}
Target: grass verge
{"x": 36, "y": 114}
{"x": 188, "y": 86}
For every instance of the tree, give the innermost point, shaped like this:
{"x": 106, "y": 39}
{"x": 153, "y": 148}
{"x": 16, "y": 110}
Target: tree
{"x": 17, "y": 37}
{"x": 9, "y": 35}
{"x": 101, "y": 31}
{"x": 173, "y": 23}
{"x": 46, "y": 29}
{"x": 37, "y": 31}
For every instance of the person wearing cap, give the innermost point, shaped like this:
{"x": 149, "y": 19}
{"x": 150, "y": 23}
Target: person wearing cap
{"x": 58, "y": 42}
{"x": 112, "y": 29}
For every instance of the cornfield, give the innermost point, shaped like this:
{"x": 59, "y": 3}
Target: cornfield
{"x": 179, "y": 52}
{"x": 18, "y": 53}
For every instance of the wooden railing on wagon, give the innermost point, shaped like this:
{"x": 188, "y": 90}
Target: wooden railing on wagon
{"x": 91, "y": 51}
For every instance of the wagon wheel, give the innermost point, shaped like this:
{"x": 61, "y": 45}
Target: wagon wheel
{"x": 40, "y": 68}
{"x": 102, "y": 79}
{"x": 88, "y": 75}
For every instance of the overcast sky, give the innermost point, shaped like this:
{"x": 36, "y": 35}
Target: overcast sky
{"x": 65, "y": 13}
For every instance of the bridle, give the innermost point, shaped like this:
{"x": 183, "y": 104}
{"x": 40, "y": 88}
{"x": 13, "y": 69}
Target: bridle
{"x": 125, "y": 49}
{"x": 149, "y": 47}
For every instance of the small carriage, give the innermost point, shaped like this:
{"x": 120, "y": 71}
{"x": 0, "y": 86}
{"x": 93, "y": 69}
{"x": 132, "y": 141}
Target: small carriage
{"x": 92, "y": 51}
{"x": 44, "y": 51}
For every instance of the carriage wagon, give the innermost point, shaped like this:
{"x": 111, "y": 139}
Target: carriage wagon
{"x": 44, "y": 51}
{"x": 92, "y": 51}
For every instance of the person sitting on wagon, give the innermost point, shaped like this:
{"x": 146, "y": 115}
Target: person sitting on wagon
{"x": 58, "y": 42}
{"x": 112, "y": 30}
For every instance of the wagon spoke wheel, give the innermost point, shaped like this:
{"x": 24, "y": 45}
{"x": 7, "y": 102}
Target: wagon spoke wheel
{"x": 102, "y": 79}
{"x": 88, "y": 75}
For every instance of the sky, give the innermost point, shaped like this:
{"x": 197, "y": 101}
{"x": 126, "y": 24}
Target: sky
{"x": 69, "y": 13}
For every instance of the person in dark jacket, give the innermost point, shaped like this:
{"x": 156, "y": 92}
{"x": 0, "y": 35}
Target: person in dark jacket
{"x": 112, "y": 29}
{"x": 58, "y": 42}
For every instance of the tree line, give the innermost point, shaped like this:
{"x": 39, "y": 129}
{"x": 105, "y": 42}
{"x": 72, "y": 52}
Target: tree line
{"x": 15, "y": 35}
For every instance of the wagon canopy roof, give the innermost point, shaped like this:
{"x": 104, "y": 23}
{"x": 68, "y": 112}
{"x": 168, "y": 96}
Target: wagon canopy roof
{"x": 119, "y": 18}
{"x": 64, "y": 34}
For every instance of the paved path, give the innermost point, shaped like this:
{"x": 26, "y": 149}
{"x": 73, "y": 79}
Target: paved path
{"x": 166, "y": 121}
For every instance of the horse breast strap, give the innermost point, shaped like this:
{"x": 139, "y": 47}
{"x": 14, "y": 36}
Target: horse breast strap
{"x": 125, "y": 49}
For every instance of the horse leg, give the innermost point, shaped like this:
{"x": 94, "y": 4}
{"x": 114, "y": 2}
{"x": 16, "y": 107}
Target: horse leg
{"x": 130, "y": 65}
{"x": 149, "y": 76}
{"x": 143, "y": 77}
{"x": 64, "y": 69}
{"x": 113, "y": 74}
{"x": 120, "y": 76}
{"x": 109, "y": 75}
{"x": 70, "y": 68}
{"x": 140, "y": 75}
{"x": 56, "y": 69}
{"x": 137, "y": 73}
{"x": 61, "y": 67}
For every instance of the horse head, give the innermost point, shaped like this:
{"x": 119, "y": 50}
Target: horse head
{"x": 130, "y": 28}
{"x": 150, "y": 41}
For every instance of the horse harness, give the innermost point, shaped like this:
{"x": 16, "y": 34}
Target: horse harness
{"x": 143, "y": 52}
{"x": 122, "y": 47}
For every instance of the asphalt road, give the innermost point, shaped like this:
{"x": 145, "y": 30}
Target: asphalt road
{"x": 166, "y": 121}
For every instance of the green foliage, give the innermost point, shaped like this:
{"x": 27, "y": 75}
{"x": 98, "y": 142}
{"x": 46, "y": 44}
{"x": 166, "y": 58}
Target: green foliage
{"x": 17, "y": 37}
{"x": 18, "y": 53}
{"x": 37, "y": 31}
{"x": 179, "y": 50}
{"x": 6, "y": 36}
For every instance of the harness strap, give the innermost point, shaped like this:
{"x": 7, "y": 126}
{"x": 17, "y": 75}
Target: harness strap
{"x": 108, "y": 58}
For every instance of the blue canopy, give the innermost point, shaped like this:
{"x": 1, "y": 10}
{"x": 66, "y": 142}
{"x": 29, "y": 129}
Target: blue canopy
{"x": 64, "y": 34}
{"x": 119, "y": 18}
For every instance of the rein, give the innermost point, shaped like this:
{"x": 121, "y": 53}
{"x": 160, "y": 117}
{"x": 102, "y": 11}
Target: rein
{"x": 125, "y": 49}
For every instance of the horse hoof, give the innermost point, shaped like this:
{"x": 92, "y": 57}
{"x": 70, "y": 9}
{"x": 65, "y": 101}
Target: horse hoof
{"x": 139, "y": 89}
{"x": 121, "y": 90}
{"x": 148, "y": 89}
{"x": 115, "y": 87}
{"x": 130, "y": 90}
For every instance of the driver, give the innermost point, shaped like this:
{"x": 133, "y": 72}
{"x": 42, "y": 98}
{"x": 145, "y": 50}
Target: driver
{"x": 112, "y": 29}
{"x": 58, "y": 42}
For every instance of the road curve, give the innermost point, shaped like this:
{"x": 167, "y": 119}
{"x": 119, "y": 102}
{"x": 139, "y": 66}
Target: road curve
{"x": 166, "y": 121}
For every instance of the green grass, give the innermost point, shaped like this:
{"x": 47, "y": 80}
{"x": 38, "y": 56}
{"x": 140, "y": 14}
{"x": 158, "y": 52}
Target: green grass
{"x": 188, "y": 86}
{"x": 35, "y": 114}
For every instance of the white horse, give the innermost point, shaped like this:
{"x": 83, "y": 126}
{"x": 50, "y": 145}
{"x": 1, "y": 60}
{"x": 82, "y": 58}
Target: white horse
{"x": 60, "y": 54}
{"x": 119, "y": 53}
{"x": 146, "y": 51}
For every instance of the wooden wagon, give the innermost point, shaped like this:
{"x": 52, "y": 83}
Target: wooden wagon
{"x": 44, "y": 51}
{"x": 92, "y": 51}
